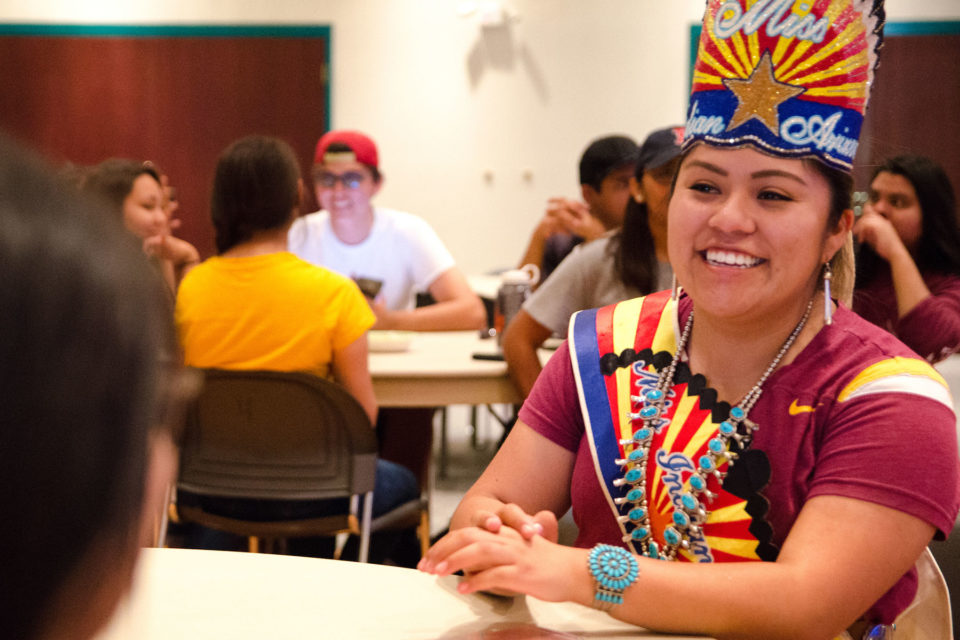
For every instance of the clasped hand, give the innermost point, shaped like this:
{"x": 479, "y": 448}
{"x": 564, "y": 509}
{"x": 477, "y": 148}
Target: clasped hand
{"x": 508, "y": 552}
{"x": 878, "y": 232}
{"x": 572, "y": 216}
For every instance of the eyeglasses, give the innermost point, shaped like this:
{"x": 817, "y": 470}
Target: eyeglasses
{"x": 350, "y": 179}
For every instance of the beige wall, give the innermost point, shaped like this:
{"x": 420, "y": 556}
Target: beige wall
{"x": 475, "y": 130}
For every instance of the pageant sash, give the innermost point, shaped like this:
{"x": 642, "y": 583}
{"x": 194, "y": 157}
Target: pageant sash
{"x": 617, "y": 352}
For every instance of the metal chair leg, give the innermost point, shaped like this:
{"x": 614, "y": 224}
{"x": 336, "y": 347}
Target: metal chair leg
{"x": 365, "y": 526}
{"x": 442, "y": 463}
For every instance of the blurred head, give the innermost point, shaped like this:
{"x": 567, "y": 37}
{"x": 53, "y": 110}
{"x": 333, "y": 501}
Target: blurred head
{"x": 656, "y": 165}
{"x": 256, "y": 188}
{"x": 133, "y": 190}
{"x": 346, "y": 173}
{"x": 915, "y": 195}
{"x": 645, "y": 221}
{"x": 605, "y": 169}
{"x": 86, "y": 334}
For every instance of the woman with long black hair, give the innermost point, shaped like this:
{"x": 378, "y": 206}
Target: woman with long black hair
{"x": 910, "y": 254}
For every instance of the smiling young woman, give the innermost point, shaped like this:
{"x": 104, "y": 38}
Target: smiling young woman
{"x": 734, "y": 441}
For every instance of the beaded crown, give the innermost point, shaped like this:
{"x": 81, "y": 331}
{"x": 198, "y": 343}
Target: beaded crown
{"x": 788, "y": 77}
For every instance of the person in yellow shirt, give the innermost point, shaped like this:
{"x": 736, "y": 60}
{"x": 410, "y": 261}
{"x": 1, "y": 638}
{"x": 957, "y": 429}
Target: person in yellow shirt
{"x": 257, "y": 306}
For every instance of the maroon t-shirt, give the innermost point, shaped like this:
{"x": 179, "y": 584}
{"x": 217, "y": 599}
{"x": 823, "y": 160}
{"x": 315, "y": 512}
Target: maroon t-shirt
{"x": 823, "y": 430}
{"x": 932, "y": 328}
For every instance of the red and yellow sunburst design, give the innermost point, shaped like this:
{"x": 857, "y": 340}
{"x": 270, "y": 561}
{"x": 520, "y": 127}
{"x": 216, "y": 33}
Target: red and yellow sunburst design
{"x": 648, "y": 323}
{"x": 726, "y": 533}
{"x": 835, "y": 71}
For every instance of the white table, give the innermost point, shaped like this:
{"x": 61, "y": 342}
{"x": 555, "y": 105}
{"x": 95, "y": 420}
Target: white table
{"x": 438, "y": 370}
{"x": 187, "y": 594}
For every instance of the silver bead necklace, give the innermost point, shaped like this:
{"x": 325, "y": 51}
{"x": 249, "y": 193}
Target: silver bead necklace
{"x": 690, "y": 515}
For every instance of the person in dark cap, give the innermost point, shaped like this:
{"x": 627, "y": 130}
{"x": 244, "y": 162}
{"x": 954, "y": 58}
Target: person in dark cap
{"x": 605, "y": 169}
{"x": 627, "y": 263}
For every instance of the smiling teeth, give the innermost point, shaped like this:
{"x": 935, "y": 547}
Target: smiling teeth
{"x": 730, "y": 259}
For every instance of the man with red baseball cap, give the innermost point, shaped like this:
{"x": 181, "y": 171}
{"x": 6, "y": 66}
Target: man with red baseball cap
{"x": 393, "y": 255}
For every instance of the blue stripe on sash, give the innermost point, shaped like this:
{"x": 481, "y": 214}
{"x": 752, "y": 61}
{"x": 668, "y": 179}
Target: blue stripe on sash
{"x": 591, "y": 386}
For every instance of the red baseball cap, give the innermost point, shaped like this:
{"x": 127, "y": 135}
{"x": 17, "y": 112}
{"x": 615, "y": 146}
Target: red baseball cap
{"x": 364, "y": 150}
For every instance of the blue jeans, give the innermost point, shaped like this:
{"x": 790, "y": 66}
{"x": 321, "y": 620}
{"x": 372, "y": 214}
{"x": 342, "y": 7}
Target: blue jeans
{"x": 394, "y": 485}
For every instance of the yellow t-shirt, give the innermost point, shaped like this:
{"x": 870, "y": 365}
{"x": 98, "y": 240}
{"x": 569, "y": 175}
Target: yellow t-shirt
{"x": 273, "y": 312}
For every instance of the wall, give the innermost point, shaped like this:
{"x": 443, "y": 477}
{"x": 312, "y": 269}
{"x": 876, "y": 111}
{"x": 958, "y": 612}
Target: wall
{"x": 476, "y": 127}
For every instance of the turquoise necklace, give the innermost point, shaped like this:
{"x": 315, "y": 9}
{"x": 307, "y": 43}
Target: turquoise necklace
{"x": 690, "y": 515}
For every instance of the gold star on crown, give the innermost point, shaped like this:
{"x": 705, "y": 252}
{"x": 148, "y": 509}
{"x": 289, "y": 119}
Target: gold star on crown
{"x": 760, "y": 95}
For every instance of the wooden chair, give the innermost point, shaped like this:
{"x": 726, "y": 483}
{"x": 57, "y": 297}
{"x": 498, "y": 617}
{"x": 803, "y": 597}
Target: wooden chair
{"x": 283, "y": 436}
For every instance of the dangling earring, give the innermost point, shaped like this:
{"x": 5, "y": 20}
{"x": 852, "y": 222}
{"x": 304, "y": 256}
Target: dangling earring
{"x": 827, "y": 299}
{"x": 675, "y": 289}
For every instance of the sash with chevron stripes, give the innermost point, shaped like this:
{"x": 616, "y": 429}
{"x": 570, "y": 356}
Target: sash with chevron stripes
{"x": 617, "y": 352}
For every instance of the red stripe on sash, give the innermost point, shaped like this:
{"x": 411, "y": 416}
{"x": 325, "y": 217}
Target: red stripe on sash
{"x": 605, "y": 345}
{"x": 650, "y": 314}
{"x": 604, "y": 332}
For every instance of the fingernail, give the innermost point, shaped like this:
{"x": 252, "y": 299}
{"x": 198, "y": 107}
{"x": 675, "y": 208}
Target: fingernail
{"x": 441, "y": 568}
{"x": 463, "y": 587}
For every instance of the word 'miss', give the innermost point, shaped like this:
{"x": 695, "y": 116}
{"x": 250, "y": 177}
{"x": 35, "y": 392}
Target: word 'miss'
{"x": 770, "y": 12}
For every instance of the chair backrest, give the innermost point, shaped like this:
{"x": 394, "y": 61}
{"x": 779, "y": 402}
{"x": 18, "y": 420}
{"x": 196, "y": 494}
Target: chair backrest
{"x": 274, "y": 435}
{"x": 928, "y": 616}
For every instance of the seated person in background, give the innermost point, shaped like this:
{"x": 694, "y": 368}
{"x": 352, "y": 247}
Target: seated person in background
{"x": 908, "y": 265}
{"x": 257, "y": 306}
{"x": 627, "y": 264}
{"x": 88, "y": 395}
{"x": 605, "y": 169}
{"x": 135, "y": 191}
{"x": 395, "y": 253}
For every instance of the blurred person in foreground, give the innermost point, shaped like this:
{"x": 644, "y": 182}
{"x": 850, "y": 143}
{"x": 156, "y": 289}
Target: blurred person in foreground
{"x": 89, "y": 394}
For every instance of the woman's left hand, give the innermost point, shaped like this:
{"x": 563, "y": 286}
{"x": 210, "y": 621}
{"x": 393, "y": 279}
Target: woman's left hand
{"x": 505, "y": 562}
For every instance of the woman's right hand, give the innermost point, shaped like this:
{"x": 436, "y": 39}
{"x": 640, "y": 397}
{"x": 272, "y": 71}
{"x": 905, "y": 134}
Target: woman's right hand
{"x": 878, "y": 232}
{"x": 543, "y": 523}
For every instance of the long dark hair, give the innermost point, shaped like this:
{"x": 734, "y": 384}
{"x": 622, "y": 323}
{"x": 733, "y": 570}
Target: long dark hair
{"x": 112, "y": 180}
{"x": 80, "y": 365}
{"x": 635, "y": 254}
{"x": 255, "y": 188}
{"x": 938, "y": 250}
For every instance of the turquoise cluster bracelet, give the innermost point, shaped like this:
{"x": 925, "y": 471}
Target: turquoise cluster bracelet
{"x": 614, "y": 569}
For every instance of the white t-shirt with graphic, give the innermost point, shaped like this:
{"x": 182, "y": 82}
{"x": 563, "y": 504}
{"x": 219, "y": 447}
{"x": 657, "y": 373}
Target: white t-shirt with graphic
{"x": 402, "y": 252}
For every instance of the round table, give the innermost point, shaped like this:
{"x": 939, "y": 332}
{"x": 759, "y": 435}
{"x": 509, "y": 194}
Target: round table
{"x": 184, "y": 594}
